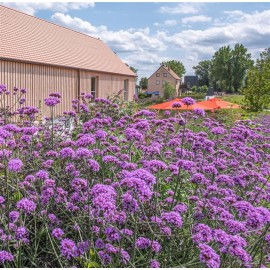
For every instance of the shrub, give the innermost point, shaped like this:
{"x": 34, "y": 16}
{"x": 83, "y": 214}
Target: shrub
{"x": 130, "y": 189}
{"x": 168, "y": 91}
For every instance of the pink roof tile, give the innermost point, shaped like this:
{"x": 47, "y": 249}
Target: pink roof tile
{"x": 30, "y": 39}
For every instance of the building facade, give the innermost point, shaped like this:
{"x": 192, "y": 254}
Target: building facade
{"x": 43, "y": 58}
{"x": 163, "y": 74}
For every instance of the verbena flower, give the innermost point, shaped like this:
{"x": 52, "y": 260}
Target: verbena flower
{"x": 154, "y": 264}
{"x": 199, "y": 111}
{"x": 172, "y": 218}
{"x": 5, "y": 257}
{"x": 68, "y": 249}
{"x": 26, "y": 205}
{"x": 15, "y": 165}
{"x": 57, "y": 233}
{"x": 209, "y": 256}
{"x": 143, "y": 243}
{"x": 52, "y": 101}
{"x": 176, "y": 105}
{"x": 188, "y": 101}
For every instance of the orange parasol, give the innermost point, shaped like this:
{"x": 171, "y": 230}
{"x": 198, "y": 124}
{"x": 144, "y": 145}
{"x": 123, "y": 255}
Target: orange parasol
{"x": 216, "y": 103}
{"x": 170, "y": 105}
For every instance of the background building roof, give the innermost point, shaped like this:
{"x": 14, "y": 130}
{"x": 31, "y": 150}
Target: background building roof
{"x": 172, "y": 73}
{"x": 30, "y": 39}
{"x": 169, "y": 71}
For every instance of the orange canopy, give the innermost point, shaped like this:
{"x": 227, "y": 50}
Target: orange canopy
{"x": 211, "y": 104}
{"x": 217, "y": 103}
{"x": 169, "y": 106}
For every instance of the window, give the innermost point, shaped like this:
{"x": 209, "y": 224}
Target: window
{"x": 188, "y": 84}
{"x": 164, "y": 74}
{"x": 163, "y": 82}
{"x": 157, "y": 82}
{"x": 94, "y": 86}
{"x": 125, "y": 89}
{"x": 157, "y": 74}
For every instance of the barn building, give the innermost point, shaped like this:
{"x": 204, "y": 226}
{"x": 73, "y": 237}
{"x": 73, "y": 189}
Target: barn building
{"x": 44, "y": 57}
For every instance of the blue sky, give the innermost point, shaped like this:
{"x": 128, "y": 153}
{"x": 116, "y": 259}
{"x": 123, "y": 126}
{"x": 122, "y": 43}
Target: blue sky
{"x": 143, "y": 34}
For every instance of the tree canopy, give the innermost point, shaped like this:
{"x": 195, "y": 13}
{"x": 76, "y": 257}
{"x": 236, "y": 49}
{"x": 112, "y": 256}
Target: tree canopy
{"x": 229, "y": 67}
{"x": 143, "y": 83}
{"x": 202, "y": 70}
{"x": 257, "y": 89}
{"x": 176, "y": 66}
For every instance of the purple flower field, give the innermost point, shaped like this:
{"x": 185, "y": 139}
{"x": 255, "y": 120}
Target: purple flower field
{"x": 129, "y": 188}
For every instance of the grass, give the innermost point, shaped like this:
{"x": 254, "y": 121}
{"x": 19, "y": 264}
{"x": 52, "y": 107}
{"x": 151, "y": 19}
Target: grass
{"x": 238, "y": 99}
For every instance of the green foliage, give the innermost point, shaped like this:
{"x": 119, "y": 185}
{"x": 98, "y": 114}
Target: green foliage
{"x": 135, "y": 70}
{"x": 257, "y": 90}
{"x": 202, "y": 70}
{"x": 237, "y": 99}
{"x": 143, "y": 95}
{"x": 202, "y": 89}
{"x": 229, "y": 67}
{"x": 176, "y": 66}
{"x": 143, "y": 83}
{"x": 196, "y": 96}
{"x": 169, "y": 91}
{"x": 194, "y": 88}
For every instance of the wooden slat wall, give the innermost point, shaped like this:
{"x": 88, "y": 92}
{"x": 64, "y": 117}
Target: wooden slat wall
{"x": 41, "y": 80}
{"x": 108, "y": 84}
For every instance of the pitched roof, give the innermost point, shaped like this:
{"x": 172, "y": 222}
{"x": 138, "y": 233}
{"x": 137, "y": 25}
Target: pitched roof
{"x": 30, "y": 39}
{"x": 172, "y": 73}
{"x": 169, "y": 71}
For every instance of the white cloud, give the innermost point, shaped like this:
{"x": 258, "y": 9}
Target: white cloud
{"x": 195, "y": 19}
{"x": 32, "y": 7}
{"x": 252, "y": 30}
{"x": 170, "y": 22}
{"x": 166, "y": 23}
{"x": 146, "y": 63}
{"x": 130, "y": 40}
{"x": 181, "y": 8}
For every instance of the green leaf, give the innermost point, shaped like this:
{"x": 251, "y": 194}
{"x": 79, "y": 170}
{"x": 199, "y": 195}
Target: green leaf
{"x": 91, "y": 265}
{"x": 17, "y": 196}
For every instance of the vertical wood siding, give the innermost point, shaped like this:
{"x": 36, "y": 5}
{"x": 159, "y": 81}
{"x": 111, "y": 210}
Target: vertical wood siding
{"x": 41, "y": 80}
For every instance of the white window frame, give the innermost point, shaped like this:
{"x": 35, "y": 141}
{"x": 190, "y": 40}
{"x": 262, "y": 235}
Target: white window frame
{"x": 94, "y": 91}
{"x": 125, "y": 92}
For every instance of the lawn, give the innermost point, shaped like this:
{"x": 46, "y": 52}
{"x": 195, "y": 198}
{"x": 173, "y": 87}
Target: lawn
{"x": 238, "y": 99}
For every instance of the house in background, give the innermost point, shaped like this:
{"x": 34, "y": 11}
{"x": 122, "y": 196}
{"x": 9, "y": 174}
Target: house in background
{"x": 157, "y": 80}
{"x": 189, "y": 82}
{"x": 44, "y": 57}
{"x": 210, "y": 93}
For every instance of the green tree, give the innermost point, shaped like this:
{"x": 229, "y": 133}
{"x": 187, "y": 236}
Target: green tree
{"x": 143, "y": 83}
{"x": 229, "y": 67}
{"x": 257, "y": 89}
{"x": 241, "y": 62}
{"x": 168, "y": 90}
{"x": 176, "y": 66}
{"x": 202, "y": 70}
{"x": 135, "y": 70}
{"x": 221, "y": 69}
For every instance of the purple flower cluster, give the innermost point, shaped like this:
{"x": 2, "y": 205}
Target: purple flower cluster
{"x": 15, "y": 165}
{"x": 123, "y": 188}
{"x": 52, "y": 101}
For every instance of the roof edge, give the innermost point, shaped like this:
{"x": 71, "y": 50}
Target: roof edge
{"x": 58, "y": 25}
{"x": 67, "y": 67}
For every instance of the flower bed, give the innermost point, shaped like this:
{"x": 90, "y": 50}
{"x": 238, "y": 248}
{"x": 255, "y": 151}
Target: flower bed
{"x": 133, "y": 190}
